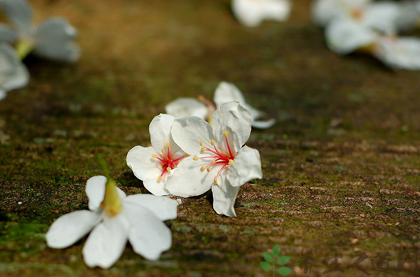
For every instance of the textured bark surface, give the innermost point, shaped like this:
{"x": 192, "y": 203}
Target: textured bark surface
{"x": 341, "y": 167}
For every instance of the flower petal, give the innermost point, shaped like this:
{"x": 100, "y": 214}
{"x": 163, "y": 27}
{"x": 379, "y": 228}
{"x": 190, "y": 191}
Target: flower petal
{"x": 324, "y": 11}
{"x": 7, "y": 34}
{"x": 160, "y": 133}
{"x": 227, "y": 92}
{"x": 147, "y": 169}
{"x": 263, "y": 124}
{"x": 186, "y": 106}
{"x": 54, "y": 41}
{"x": 162, "y": 207}
{"x": 401, "y": 53}
{"x": 246, "y": 166}
{"x": 3, "y": 94}
{"x": 345, "y": 36}
{"x": 19, "y": 13}
{"x": 13, "y": 73}
{"x": 149, "y": 236}
{"x": 189, "y": 180}
{"x": 106, "y": 242}
{"x": 235, "y": 119}
{"x": 224, "y": 196}
{"x": 188, "y": 132}
{"x": 95, "y": 191}
{"x": 69, "y": 228}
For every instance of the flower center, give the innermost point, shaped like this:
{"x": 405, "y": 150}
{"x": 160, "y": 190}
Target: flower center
{"x": 112, "y": 203}
{"x": 218, "y": 156}
{"x": 167, "y": 161}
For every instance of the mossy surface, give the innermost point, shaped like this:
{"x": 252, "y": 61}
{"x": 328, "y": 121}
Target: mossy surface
{"x": 341, "y": 166}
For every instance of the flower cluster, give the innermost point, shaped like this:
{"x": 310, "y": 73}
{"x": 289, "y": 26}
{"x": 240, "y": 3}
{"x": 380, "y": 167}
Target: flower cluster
{"x": 189, "y": 157}
{"x": 53, "y": 39}
{"x": 372, "y": 27}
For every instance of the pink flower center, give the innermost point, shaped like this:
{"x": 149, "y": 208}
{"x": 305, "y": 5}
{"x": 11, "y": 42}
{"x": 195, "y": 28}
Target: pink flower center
{"x": 168, "y": 161}
{"x": 218, "y": 156}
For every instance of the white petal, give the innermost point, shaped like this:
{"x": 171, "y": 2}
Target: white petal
{"x": 224, "y": 196}
{"x": 345, "y": 36}
{"x": 160, "y": 133}
{"x": 106, "y": 242}
{"x": 189, "y": 180}
{"x": 186, "y": 106}
{"x": 236, "y": 120}
{"x": 55, "y": 29}
{"x": 57, "y": 51}
{"x": 162, "y": 207}
{"x": 149, "y": 236}
{"x": 227, "y": 92}
{"x": 250, "y": 13}
{"x": 3, "y": 94}
{"x": 261, "y": 124}
{"x": 246, "y": 166}
{"x": 382, "y": 16}
{"x": 69, "y": 228}
{"x": 188, "y": 132}
{"x": 95, "y": 191}
{"x": 408, "y": 16}
{"x": 19, "y": 13}
{"x": 147, "y": 169}
{"x": 401, "y": 53}
{"x": 13, "y": 74}
{"x": 7, "y": 34}
{"x": 324, "y": 11}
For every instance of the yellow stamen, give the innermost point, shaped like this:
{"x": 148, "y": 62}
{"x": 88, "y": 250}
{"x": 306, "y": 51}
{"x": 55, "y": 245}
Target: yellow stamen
{"x": 186, "y": 155}
{"x": 203, "y": 149}
{"x": 215, "y": 181}
{"x": 168, "y": 145}
{"x": 208, "y": 169}
{"x": 202, "y": 168}
{"x": 168, "y": 169}
{"x": 212, "y": 142}
{"x": 213, "y": 161}
{"x": 160, "y": 178}
{"x": 225, "y": 134}
{"x": 201, "y": 143}
{"x": 231, "y": 162}
{"x": 163, "y": 151}
{"x": 195, "y": 158}
{"x": 154, "y": 156}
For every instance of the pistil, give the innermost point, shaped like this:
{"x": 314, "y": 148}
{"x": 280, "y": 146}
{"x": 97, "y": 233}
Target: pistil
{"x": 166, "y": 160}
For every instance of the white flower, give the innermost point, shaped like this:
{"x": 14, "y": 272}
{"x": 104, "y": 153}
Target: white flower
{"x": 115, "y": 218}
{"x": 225, "y": 92}
{"x": 13, "y": 74}
{"x": 187, "y": 106}
{"x": 403, "y": 53}
{"x": 384, "y": 17}
{"x": 219, "y": 160}
{"x": 53, "y": 39}
{"x": 251, "y": 12}
{"x": 155, "y": 164}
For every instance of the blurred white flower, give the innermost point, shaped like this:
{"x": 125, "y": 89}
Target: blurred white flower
{"x": 13, "y": 74}
{"x": 53, "y": 39}
{"x": 252, "y": 12}
{"x": 225, "y": 92}
{"x": 219, "y": 160}
{"x": 155, "y": 164}
{"x": 115, "y": 218}
{"x": 187, "y": 106}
